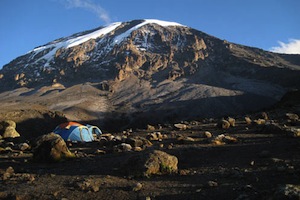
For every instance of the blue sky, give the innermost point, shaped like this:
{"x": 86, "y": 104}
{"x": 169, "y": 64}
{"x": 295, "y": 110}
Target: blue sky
{"x": 267, "y": 24}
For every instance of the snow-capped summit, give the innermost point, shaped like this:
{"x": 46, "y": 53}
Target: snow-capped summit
{"x": 99, "y": 33}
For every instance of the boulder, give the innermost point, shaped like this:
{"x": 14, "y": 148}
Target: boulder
{"x": 51, "y": 148}
{"x": 153, "y": 162}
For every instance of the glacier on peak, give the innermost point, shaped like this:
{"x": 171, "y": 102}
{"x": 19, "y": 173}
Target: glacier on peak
{"x": 74, "y": 41}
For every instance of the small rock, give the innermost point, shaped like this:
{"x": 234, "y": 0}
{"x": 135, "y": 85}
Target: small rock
{"x": 248, "y": 120}
{"x": 287, "y": 191}
{"x": 222, "y": 139}
{"x": 123, "y": 147}
{"x": 155, "y": 136}
{"x": 292, "y": 116}
{"x": 137, "y": 187}
{"x": 150, "y": 127}
{"x": 181, "y": 126}
{"x": 264, "y": 115}
{"x": 260, "y": 121}
{"x": 185, "y": 139}
{"x": 231, "y": 121}
{"x": 223, "y": 124}
{"x": 212, "y": 184}
{"x": 207, "y": 134}
{"x": 23, "y": 146}
{"x": 9, "y": 172}
{"x": 137, "y": 149}
{"x": 274, "y": 128}
{"x": 100, "y": 152}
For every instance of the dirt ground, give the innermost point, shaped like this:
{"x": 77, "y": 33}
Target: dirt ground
{"x": 259, "y": 165}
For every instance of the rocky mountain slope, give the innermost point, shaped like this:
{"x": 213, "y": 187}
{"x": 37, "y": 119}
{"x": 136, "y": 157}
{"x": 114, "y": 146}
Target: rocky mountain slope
{"x": 149, "y": 70}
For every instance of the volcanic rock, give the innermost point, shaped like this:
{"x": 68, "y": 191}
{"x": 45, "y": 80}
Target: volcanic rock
{"x": 150, "y": 163}
{"x": 51, "y": 148}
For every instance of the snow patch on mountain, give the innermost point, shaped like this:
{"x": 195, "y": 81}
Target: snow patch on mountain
{"x": 50, "y": 50}
{"x": 121, "y": 37}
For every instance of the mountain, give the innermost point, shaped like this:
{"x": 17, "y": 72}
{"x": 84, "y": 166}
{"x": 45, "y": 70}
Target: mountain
{"x": 146, "y": 71}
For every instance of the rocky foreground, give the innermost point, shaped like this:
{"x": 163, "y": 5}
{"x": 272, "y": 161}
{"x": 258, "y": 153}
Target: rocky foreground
{"x": 246, "y": 157}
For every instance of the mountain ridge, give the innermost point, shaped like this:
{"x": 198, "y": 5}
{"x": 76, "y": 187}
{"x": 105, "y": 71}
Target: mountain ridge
{"x": 147, "y": 68}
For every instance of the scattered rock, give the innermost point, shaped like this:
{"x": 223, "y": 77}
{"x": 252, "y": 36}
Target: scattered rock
{"x": 89, "y": 185}
{"x": 223, "y": 124}
{"x": 292, "y": 116}
{"x": 274, "y": 128}
{"x": 231, "y": 121}
{"x": 137, "y": 187}
{"x": 51, "y": 148}
{"x": 155, "y": 136}
{"x": 287, "y": 191}
{"x": 150, "y": 163}
{"x": 212, "y": 184}
{"x": 181, "y": 126}
{"x": 260, "y": 121}
{"x": 123, "y": 147}
{"x": 264, "y": 115}
{"x": 224, "y": 139}
{"x": 248, "y": 120}
{"x": 185, "y": 139}
{"x": 24, "y": 146}
{"x": 150, "y": 127}
{"x": 9, "y": 172}
{"x": 100, "y": 152}
{"x": 207, "y": 134}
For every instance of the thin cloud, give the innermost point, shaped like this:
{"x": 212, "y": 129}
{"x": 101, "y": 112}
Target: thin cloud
{"x": 90, "y": 6}
{"x": 292, "y": 47}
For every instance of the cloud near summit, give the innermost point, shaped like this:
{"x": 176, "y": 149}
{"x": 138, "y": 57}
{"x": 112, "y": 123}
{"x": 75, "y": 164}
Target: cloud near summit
{"x": 292, "y": 47}
{"x": 89, "y": 6}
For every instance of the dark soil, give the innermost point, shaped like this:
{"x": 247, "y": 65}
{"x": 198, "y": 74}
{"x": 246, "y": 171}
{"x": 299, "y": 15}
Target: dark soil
{"x": 255, "y": 167}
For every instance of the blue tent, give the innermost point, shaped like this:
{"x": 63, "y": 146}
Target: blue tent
{"x": 73, "y": 131}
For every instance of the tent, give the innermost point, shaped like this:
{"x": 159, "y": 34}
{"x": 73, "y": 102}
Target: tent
{"x": 73, "y": 131}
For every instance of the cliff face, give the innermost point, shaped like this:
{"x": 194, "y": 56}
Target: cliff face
{"x": 152, "y": 66}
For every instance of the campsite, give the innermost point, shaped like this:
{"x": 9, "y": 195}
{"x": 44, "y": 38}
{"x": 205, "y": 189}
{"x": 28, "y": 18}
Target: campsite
{"x": 243, "y": 157}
